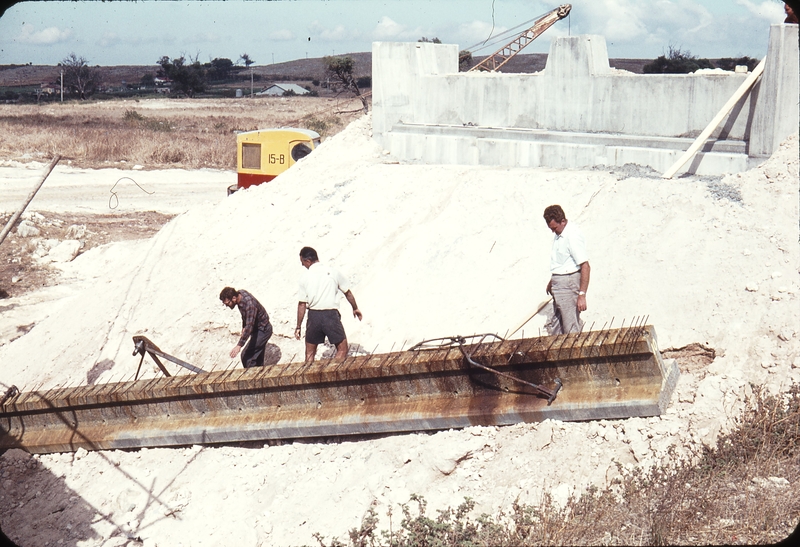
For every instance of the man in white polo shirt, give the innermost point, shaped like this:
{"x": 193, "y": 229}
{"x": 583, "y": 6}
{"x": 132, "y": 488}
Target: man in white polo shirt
{"x": 569, "y": 269}
{"x": 319, "y": 293}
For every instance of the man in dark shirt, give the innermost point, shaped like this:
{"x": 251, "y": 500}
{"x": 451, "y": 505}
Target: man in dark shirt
{"x": 255, "y": 325}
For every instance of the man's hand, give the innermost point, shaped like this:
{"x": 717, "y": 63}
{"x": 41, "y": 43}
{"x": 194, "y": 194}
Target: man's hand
{"x": 352, "y": 301}
{"x": 301, "y": 312}
{"x": 581, "y": 302}
{"x": 549, "y": 286}
{"x": 235, "y": 351}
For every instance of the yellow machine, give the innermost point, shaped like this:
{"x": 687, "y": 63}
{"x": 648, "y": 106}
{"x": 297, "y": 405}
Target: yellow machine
{"x": 264, "y": 154}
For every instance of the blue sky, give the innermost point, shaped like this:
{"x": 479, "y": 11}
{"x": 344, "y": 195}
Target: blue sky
{"x": 139, "y": 33}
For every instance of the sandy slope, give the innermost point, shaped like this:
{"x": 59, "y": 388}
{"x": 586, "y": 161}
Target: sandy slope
{"x": 431, "y": 251}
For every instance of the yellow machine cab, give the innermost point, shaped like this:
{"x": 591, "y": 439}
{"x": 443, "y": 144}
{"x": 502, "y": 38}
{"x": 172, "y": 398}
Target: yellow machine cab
{"x": 264, "y": 154}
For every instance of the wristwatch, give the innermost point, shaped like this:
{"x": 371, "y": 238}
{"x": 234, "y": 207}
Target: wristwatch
{"x": 581, "y": 293}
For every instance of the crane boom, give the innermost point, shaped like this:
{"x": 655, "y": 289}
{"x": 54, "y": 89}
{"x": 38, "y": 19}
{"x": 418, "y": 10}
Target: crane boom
{"x": 494, "y": 61}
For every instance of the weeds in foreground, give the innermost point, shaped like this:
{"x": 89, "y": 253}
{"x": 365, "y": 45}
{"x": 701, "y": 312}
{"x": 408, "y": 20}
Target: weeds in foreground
{"x": 150, "y": 124}
{"x": 325, "y": 126}
{"x": 744, "y": 491}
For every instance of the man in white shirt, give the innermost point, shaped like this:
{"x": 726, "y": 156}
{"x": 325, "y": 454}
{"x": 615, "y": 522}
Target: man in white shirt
{"x": 319, "y": 293}
{"x": 569, "y": 269}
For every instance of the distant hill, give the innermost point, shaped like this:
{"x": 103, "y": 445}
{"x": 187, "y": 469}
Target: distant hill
{"x": 300, "y": 70}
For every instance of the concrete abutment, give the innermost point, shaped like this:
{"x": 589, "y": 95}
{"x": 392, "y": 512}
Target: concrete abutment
{"x": 579, "y": 111}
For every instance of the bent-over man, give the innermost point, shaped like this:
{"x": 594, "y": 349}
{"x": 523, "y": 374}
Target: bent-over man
{"x": 569, "y": 269}
{"x": 319, "y": 293}
{"x": 255, "y": 326}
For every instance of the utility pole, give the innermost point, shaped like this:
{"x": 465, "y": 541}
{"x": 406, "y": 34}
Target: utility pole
{"x": 273, "y": 58}
{"x": 251, "y": 82}
{"x": 62, "y": 85}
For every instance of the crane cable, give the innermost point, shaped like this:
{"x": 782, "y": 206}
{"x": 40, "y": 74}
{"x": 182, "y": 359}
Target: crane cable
{"x": 503, "y": 35}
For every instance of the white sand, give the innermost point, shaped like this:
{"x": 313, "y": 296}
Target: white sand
{"x": 431, "y": 251}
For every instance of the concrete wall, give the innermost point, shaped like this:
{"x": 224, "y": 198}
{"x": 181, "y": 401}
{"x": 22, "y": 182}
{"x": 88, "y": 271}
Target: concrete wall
{"x": 564, "y": 116}
{"x": 778, "y": 94}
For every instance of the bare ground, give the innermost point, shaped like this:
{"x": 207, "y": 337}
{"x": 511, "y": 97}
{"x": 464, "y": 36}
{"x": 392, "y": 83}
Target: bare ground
{"x": 20, "y": 269}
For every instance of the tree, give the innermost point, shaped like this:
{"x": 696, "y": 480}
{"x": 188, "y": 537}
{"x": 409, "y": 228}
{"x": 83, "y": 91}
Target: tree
{"x": 729, "y": 63}
{"x": 676, "y": 62}
{"x": 341, "y": 69}
{"x": 189, "y": 78}
{"x": 464, "y": 60}
{"x": 148, "y": 80}
{"x": 219, "y": 69}
{"x": 430, "y": 40}
{"x": 245, "y": 58}
{"x": 78, "y": 76}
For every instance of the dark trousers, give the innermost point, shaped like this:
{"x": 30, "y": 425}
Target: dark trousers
{"x": 253, "y": 353}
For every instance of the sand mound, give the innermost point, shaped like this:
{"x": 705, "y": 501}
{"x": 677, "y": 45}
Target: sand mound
{"x": 431, "y": 251}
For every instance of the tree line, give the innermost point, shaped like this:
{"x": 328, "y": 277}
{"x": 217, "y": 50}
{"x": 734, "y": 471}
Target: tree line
{"x": 187, "y": 76}
{"x": 677, "y": 61}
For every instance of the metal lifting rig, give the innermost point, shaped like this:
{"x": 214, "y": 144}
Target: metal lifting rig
{"x": 503, "y": 55}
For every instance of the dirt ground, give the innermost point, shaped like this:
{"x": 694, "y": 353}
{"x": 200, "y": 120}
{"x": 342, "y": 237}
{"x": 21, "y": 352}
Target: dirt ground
{"x": 21, "y": 270}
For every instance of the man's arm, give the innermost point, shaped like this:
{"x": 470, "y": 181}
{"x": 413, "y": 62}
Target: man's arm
{"x": 585, "y": 272}
{"x": 301, "y": 313}
{"x": 248, "y": 319}
{"x": 248, "y": 309}
{"x": 352, "y": 299}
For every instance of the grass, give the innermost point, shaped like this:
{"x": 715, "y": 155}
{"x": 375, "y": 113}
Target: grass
{"x": 746, "y": 491}
{"x": 157, "y": 133}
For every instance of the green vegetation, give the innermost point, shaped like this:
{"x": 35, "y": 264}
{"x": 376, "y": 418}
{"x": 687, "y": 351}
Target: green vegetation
{"x": 78, "y": 76}
{"x": 341, "y": 69}
{"x": 676, "y": 62}
{"x": 744, "y": 491}
{"x": 189, "y": 78}
{"x": 322, "y": 126}
{"x": 219, "y": 70}
{"x": 152, "y": 124}
{"x": 464, "y": 60}
{"x": 683, "y": 62}
{"x": 729, "y": 63}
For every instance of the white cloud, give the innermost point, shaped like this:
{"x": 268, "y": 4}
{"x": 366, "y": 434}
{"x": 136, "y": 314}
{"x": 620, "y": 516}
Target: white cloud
{"x": 337, "y": 34}
{"x": 206, "y": 37}
{"x": 630, "y": 19}
{"x": 478, "y": 32}
{"x": 766, "y": 9}
{"x": 389, "y": 30}
{"x": 282, "y": 35}
{"x": 646, "y": 29}
{"x": 50, "y": 35}
{"x": 112, "y": 39}
{"x": 108, "y": 39}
